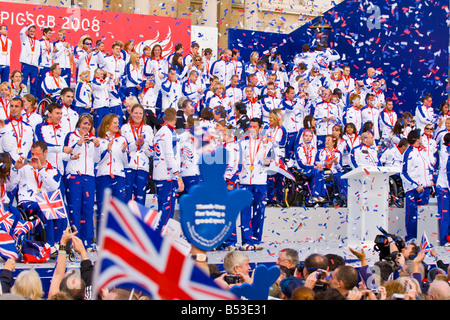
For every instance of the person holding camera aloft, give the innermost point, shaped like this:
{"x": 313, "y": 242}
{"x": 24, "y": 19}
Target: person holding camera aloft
{"x": 80, "y": 178}
{"x": 237, "y": 270}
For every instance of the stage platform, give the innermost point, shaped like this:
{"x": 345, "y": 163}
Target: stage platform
{"x": 324, "y": 230}
{"x": 308, "y": 230}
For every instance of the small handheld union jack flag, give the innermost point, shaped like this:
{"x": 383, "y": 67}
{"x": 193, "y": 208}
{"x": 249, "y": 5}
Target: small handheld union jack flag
{"x": 52, "y": 205}
{"x": 425, "y": 244}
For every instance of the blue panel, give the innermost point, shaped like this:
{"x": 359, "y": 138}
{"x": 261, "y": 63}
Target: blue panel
{"x": 407, "y": 40}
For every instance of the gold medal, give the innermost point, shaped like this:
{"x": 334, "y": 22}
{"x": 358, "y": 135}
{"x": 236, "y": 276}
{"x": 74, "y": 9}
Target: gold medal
{"x": 252, "y": 167}
{"x": 19, "y": 150}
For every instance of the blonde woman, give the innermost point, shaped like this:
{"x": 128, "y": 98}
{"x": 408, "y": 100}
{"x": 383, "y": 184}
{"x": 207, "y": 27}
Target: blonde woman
{"x": 277, "y": 135}
{"x": 83, "y": 93}
{"x": 203, "y": 74}
{"x": 134, "y": 77}
{"x": 250, "y": 68}
{"x": 28, "y": 284}
{"x": 5, "y": 99}
{"x": 219, "y": 99}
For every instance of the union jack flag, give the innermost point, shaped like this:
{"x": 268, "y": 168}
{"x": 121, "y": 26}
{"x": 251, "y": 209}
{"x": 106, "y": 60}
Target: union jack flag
{"x": 52, "y": 205}
{"x": 280, "y": 167}
{"x": 149, "y": 216}
{"x": 425, "y": 245}
{"x": 23, "y": 227}
{"x": 6, "y": 219}
{"x": 8, "y": 248}
{"x": 133, "y": 256}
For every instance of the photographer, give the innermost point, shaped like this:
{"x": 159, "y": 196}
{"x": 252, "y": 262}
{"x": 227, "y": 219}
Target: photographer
{"x": 289, "y": 259}
{"x": 409, "y": 252}
{"x": 237, "y": 270}
{"x": 313, "y": 263}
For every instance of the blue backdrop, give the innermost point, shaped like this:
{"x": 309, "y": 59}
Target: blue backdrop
{"x": 405, "y": 40}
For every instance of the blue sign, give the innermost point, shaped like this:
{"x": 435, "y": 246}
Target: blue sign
{"x": 263, "y": 279}
{"x": 209, "y": 211}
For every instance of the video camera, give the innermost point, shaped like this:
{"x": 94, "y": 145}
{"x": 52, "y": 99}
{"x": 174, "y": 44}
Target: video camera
{"x": 382, "y": 244}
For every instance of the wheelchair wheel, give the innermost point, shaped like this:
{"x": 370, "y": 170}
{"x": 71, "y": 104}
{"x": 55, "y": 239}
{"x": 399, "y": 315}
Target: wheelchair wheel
{"x": 42, "y": 105}
{"x": 297, "y": 192}
{"x": 38, "y": 233}
{"x": 396, "y": 194}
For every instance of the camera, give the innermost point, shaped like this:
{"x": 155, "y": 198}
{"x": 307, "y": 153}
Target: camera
{"x": 27, "y": 161}
{"x": 291, "y": 272}
{"x": 232, "y": 278}
{"x": 382, "y": 244}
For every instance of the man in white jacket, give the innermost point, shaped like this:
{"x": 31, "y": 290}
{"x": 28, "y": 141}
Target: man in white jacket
{"x": 17, "y": 136}
{"x": 29, "y": 57}
{"x": 171, "y": 91}
{"x": 166, "y": 167}
{"x": 5, "y": 56}
{"x": 417, "y": 179}
{"x": 53, "y": 83}
{"x": 53, "y": 134}
{"x": 100, "y": 95}
{"x": 253, "y": 177}
{"x": 365, "y": 154}
{"x": 223, "y": 68}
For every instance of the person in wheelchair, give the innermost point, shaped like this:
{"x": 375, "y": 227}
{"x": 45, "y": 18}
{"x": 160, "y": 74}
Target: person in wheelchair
{"x": 306, "y": 155}
{"x": 33, "y": 176}
{"x": 6, "y": 185}
{"x": 393, "y": 157}
{"x": 331, "y": 159}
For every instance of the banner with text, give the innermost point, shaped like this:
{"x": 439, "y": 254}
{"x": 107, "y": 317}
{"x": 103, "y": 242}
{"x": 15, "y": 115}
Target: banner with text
{"x": 108, "y": 26}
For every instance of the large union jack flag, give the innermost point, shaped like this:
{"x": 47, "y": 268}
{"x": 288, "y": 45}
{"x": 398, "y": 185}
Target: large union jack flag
{"x": 52, "y": 205}
{"x": 133, "y": 256}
